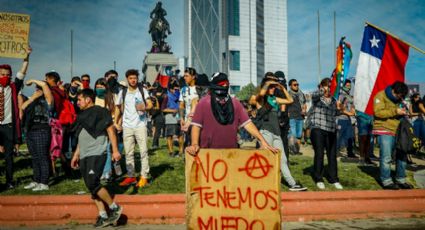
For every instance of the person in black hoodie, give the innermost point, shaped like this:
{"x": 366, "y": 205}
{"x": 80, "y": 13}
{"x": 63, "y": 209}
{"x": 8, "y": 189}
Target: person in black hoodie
{"x": 93, "y": 127}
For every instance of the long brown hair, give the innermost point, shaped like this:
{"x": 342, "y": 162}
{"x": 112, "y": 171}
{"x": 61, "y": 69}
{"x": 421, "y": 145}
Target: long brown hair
{"x": 109, "y": 96}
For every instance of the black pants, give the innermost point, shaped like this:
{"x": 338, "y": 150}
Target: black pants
{"x": 159, "y": 123}
{"x": 6, "y": 140}
{"x": 284, "y": 135}
{"x": 69, "y": 138}
{"x": 321, "y": 141}
{"x": 38, "y": 145}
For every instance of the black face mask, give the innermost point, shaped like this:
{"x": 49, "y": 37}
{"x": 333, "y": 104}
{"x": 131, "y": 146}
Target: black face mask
{"x": 222, "y": 105}
{"x": 113, "y": 85}
{"x": 73, "y": 89}
{"x": 221, "y": 92}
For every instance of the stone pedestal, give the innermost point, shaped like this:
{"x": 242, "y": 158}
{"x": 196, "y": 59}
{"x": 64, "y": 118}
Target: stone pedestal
{"x": 156, "y": 62}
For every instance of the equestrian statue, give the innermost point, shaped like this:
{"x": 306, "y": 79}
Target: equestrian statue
{"x": 159, "y": 28}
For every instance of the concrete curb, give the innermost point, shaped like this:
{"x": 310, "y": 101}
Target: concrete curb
{"x": 170, "y": 208}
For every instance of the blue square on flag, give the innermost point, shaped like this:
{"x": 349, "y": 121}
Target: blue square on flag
{"x": 373, "y": 42}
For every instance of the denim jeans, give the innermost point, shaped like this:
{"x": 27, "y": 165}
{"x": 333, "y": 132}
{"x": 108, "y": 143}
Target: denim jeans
{"x": 419, "y": 129}
{"x": 296, "y": 128}
{"x": 386, "y": 147}
{"x": 276, "y": 142}
{"x": 323, "y": 140}
{"x": 345, "y": 135}
{"x": 108, "y": 164}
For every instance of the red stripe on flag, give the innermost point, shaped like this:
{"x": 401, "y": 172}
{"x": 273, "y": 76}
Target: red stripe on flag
{"x": 334, "y": 82}
{"x": 392, "y": 68}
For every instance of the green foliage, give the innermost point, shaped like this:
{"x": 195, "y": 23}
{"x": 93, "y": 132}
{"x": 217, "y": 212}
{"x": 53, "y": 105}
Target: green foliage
{"x": 246, "y": 92}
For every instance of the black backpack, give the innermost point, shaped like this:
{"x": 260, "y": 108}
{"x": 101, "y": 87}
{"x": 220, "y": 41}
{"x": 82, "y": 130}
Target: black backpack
{"x": 124, "y": 92}
{"x": 405, "y": 141}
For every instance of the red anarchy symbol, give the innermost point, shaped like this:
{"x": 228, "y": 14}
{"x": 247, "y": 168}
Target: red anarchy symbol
{"x": 257, "y": 166}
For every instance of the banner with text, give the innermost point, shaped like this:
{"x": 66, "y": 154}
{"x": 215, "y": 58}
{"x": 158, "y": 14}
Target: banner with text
{"x": 233, "y": 189}
{"x": 14, "y": 33}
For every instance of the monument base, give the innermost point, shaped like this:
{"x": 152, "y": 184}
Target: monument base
{"x": 155, "y": 63}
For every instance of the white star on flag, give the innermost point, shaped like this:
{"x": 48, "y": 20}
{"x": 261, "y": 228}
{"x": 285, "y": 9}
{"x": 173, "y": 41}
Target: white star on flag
{"x": 374, "y": 42}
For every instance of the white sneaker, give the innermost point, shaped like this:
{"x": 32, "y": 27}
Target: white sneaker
{"x": 338, "y": 186}
{"x": 41, "y": 187}
{"x": 320, "y": 185}
{"x": 31, "y": 185}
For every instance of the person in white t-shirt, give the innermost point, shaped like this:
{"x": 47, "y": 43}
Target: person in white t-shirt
{"x": 188, "y": 100}
{"x": 134, "y": 102}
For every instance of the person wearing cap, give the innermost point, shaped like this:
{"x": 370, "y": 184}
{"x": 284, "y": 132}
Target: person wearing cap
{"x": 284, "y": 116}
{"x": 172, "y": 125}
{"x": 268, "y": 106}
{"x": 10, "y": 128}
{"x": 218, "y": 118}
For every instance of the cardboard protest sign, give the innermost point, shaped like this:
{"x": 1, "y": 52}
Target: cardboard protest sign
{"x": 14, "y": 32}
{"x": 233, "y": 189}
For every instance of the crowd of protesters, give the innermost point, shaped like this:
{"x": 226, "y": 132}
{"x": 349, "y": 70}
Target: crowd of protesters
{"x": 93, "y": 128}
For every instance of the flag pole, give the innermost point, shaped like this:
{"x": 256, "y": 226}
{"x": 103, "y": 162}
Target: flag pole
{"x": 407, "y": 43}
{"x": 318, "y": 46}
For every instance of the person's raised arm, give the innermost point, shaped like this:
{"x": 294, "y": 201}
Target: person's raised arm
{"x": 288, "y": 98}
{"x": 46, "y": 89}
{"x": 25, "y": 63}
{"x": 36, "y": 94}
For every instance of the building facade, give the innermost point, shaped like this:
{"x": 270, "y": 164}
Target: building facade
{"x": 243, "y": 38}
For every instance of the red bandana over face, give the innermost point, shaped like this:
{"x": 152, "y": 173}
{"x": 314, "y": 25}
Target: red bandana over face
{"x": 4, "y": 81}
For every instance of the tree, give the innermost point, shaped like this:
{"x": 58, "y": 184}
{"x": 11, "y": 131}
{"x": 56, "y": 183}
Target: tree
{"x": 246, "y": 92}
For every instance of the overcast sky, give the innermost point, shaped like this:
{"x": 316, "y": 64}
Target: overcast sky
{"x": 108, "y": 30}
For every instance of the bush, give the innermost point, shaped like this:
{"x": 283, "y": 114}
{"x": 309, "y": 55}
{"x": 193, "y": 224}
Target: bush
{"x": 246, "y": 92}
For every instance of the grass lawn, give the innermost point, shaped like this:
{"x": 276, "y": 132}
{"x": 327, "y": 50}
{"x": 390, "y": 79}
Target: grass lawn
{"x": 167, "y": 176}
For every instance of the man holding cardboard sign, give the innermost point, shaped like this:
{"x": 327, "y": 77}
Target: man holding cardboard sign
{"x": 228, "y": 187}
{"x": 220, "y": 116}
{"x": 10, "y": 127}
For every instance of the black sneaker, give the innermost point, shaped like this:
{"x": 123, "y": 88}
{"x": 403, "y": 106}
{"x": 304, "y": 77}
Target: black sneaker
{"x": 391, "y": 186}
{"x": 101, "y": 222}
{"x": 9, "y": 186}
{"x": 405, "y": 185}
{"x": 115, "y": 215}
{"x": 297, "y": 188}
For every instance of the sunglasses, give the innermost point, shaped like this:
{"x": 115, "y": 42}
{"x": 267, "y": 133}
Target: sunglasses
{"x": 295, "y": 84}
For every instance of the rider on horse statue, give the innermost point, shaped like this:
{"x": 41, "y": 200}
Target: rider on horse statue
{"x": 159, "y": 28}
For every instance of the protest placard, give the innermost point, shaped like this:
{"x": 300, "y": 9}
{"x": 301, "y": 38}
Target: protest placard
{"x": 14, "y": 33}
{"x": 233, "y": 189}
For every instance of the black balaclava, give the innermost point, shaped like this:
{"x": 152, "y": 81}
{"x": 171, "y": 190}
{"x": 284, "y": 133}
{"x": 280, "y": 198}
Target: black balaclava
{"x": 221, "y": 102}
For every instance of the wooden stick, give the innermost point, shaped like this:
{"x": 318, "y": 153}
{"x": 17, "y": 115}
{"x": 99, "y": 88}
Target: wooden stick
{"x": 407, "y": 43}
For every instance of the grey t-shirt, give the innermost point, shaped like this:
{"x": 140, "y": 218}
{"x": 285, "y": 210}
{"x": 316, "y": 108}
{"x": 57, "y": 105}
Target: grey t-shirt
{"x": 171, "y": 119}
{"x": 90, "y": 146}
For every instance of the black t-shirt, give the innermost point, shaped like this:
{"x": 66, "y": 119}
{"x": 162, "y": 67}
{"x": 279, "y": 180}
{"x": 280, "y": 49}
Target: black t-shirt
{"x": 415, "y": 106}
{"x": 295, "y": 109}
{"x": 267, "y": 119}
{"x": 283, "y": 115}
{"x": 37, "y": 114}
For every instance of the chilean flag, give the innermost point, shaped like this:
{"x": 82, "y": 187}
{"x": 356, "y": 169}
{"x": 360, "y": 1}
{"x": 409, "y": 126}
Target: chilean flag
{"x": 381, "y": 63}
